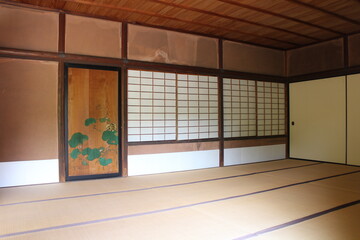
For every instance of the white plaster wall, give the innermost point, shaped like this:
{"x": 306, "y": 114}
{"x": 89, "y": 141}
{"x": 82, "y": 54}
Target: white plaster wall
{"x": 29, "y": 172}
{"x": 234, "y": 156}
{"x": 171, "y": 162}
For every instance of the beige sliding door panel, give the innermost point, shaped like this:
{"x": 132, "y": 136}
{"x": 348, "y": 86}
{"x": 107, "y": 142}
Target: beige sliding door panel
{"x": 353, "y": 119}
{"x": 317, "y": 109}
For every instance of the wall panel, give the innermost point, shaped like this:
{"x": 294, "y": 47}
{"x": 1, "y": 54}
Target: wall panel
{"x": 253, "y": 59}
{"x": 28, "y": 107}
{"x": 354, "y": 50}
{"x": 171, "y": 162}
{"x": 353, "y": 119}
{"x": 28, "y": 29}
{"x": 18, "y": 173}
{"x": 317, "y": 109}
{"x": 156, "y": 45}
{"x": 316, "y": 58}
{"x": 234, "y": 156}
{"x": 91, "y": 36}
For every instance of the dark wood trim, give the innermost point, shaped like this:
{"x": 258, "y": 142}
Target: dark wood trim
{"x": 256, "y": 109}
{"x": 280, "y": 16}
{"x": 311, "y": 6}
{"x": 26, "y": 5}
{"x": 253, "y": 76}
{"x": 124, "y": 41}
{"x": 61, "y": 122}
{"x": 220, "y": 54}
{"x": 152, "y": 14}
{"x": 253, "y": 137}
{"x": 286, "y": 66}
{"x": 254, "y": 142}
{"x": 346, "y": 51}
{"x": 221, "y": 121}
{"x": 173, "y": 147}
{"x": 233, "y": 18}
{"x": 346, "y": 119}
{"x": 320, "y": 161}
{"x": 134, "y": 64}
{"x": 325, "y": 74}
{"x": 28, "y": 54}
{"x": 51, "y": 56}
{"x": 124, "y": 122}
{"x": 173, "y": 141}
{"x": 221, "y": 106}
{"x": 62, "y": 25}
{"x": 287, "y": 117}
{"x": 312, "y": 44}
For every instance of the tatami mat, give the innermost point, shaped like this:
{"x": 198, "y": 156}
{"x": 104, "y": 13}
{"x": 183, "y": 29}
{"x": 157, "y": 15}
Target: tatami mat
{"x": 225, "y": 204}
{"x": 58, "y": 190}
{"x": 341, "y": 224}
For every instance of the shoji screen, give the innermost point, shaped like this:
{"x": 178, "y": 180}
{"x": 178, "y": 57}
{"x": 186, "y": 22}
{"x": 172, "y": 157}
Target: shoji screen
{"x": 270, "y": 108}
{"x": 151, "y": 106}
{"x": 197, "y": 107}
{"x": 239, "y": 108}
{"x": 317, "y": 109}
{"x": 168, "y": 106}
{"x": 353, "y": 119}
{"x": 253, "y": 108}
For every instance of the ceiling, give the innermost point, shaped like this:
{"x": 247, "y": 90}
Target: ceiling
{"x": 281, "y": 24}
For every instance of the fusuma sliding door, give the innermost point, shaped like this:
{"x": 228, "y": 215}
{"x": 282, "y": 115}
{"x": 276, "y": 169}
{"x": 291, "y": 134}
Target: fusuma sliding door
{"x": 92, "y": 120}
{"x": 318, "y": 120}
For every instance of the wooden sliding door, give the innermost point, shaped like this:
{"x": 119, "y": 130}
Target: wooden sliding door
{"x": 92, "y": 122}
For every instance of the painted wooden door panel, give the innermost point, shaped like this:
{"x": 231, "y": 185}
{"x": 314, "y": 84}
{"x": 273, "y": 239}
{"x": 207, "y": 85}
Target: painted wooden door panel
{"x": 92, "y": 122}
{"x": 317, "y": 109}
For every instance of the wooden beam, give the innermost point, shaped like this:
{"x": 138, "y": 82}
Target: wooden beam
{"x": 234, "y": 19}
{"x": 152, "y": 14}
{"x": 124, "y": 122}
{"x": 124, "y": 41}
{"x": 254, "y": 142}
{"x": 333, "y": 14}
{"x": 221, "y": 107}
{"x": 62, "y": 24}
{"x": 61, "y": 122}
{"x": 264, "y": 11}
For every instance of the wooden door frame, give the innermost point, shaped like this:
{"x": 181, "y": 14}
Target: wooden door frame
{"x": 120, "y": 135}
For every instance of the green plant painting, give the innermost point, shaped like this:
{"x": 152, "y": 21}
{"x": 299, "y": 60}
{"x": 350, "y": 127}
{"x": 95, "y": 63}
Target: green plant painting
{"x": 109, "y": 135}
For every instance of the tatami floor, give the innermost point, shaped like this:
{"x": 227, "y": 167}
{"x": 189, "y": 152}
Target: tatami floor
{"x": 284, "y": 199}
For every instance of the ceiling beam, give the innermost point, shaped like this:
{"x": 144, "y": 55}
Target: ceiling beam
{"x": 234, "y": 18}
{"x": 281, "y": 16}
{"x": 313, "y": 7}
{"x": 152, "y": 14}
